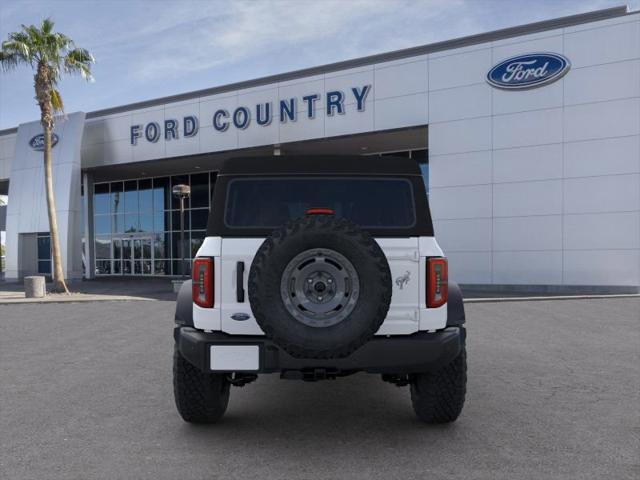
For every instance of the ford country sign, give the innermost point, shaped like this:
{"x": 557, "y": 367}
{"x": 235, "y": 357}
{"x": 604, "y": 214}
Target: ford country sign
{"x": 37, "y": 142}
{"x": 528, "y": 71}
{"x": 284, "y": 110}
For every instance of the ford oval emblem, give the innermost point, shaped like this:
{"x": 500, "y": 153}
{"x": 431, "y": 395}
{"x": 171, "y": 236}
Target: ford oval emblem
{"x": 528, "y": 71}
{"x": 37, "y": 142}
{"x": 241, "y": 317}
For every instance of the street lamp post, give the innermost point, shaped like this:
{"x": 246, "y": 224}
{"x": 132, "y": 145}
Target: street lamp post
{"x": 182, "y": 192}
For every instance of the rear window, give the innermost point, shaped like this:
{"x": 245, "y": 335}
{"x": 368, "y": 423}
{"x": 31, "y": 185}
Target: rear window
{"x": 370, "y": 202}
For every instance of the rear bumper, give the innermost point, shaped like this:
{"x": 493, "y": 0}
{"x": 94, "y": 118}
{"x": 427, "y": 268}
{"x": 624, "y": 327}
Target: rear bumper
{"x": 398, "y": 355}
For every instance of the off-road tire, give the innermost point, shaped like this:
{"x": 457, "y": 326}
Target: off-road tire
{"x": 200, "y": 397}
{"x": 438, "y": 397}
{"x": 346, "y": 238}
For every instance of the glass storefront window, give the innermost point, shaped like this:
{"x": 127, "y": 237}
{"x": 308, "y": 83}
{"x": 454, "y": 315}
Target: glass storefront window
{"x": 44, "y": 253}
{"x": 160, "y": 245}
{"x": 196, "y": 241}
{"x": 102, "y": 224}
{"x": 103, "y": 267}
{"x": 44, "y": 247}
{"x": 146, "y": 222}
{"x": 131, "y": 203}
{"x": 44, "y": 266}
{"x": 200, "y": 190}
{"x": 117, "y": 223}
{"x": 199, "y": 218}
{"x": 137, "y": 224}
{"x": 116, "y": 198}
{"x": 131, "y": 223}
{"x": 103, "y": 247}
{"x": 176, "y": 267}
{"x": 161, "y": 194}
{"x": 117, "y": 248}
{"x": 175, "y": 244}
{"x": 175, "y": 220}
{"x": 161, "y": 222}
{"x": 101, "y": 199}
{"x": 162, "y": 267}
{"x": 145, "y": 195}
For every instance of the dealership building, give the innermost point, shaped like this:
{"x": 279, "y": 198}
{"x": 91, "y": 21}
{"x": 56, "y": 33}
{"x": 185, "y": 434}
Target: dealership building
{"x": 528, "y": 138}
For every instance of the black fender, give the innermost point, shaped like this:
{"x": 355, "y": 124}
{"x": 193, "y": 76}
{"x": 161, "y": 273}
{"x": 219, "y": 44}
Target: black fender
{"x": 184, "y": 305}
{"x": 455, "y": 306}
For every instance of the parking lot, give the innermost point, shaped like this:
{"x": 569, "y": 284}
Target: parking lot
{"x": 85, "y": 392}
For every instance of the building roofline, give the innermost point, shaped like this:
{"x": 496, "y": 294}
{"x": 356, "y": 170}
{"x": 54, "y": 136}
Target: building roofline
{"x": 494, "y": 35}
{"x": 8, "y": 131}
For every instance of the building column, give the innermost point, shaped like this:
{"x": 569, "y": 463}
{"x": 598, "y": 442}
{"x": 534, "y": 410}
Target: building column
{"x": 27, "y": 212}
{"x": 87, "y": 200}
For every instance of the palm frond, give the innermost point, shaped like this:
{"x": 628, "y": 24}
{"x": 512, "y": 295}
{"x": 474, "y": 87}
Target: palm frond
{"x": 9, "y": 61}
{"x": 18, "y": 47}
{"x": 20, "y": 37}
{"x": 34, "y": 34}
{"x": 47, "y": 26}
{"x": 56, "y": 101}
{"x": 79, "y": 61}
{"x": 63, "y": 42}
{"x": 51, "y": 53}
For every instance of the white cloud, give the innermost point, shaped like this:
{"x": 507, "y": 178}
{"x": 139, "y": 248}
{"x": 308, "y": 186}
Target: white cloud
{"x": 147, "y": 49}
{"x": 176, "y": 43}
{"x": 189, "y": 37}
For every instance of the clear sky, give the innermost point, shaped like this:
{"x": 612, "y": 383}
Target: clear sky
{"x": 149, "y": 49}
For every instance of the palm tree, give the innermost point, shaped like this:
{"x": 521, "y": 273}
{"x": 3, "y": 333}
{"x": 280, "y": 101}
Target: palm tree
{"x": 49, "y": 54}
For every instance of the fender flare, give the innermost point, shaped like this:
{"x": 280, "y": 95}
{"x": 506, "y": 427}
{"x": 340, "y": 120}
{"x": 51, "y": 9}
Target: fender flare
{"x": 184, "y": 305}
{"x": 455, "y": 306}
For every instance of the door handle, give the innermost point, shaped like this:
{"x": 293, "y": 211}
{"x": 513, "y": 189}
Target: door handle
{"x": 239, "y": 282}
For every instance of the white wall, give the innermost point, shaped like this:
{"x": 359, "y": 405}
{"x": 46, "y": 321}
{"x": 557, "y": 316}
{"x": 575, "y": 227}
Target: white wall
{"x": 540, "y": 186}
{"x": 398, "y": 98}
{"x": 7, "y": 151}
{"x": 27, "y": 206}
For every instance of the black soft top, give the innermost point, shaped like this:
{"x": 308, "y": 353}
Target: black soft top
{"x": 327, "y": 165}
{"x": 320, "y": 164}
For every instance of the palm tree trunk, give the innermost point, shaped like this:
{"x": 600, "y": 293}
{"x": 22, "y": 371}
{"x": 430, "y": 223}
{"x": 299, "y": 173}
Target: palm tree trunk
{"x": 59, "y": 284}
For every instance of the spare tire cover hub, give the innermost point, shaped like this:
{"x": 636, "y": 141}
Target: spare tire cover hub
{"x": 320, "y": 287}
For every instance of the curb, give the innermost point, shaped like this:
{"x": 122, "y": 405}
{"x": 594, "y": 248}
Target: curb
{"x": 45, "y": 300}
{"x": 548, "y": 298}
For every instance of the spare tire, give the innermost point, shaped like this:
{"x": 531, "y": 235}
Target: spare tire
{"x": 320, "y": 287}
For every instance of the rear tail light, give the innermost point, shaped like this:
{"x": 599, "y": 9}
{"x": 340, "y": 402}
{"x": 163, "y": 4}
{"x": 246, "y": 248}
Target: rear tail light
{"x": 319, "y": 211}
{"x": 437, "y": 282}
{"x": 202, "y": 285}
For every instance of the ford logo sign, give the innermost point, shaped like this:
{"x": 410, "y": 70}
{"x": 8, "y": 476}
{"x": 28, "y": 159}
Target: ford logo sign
{"x": 240, "y": 317}
{"x": 37, "y": 142}
{"x": 528, "y": 71}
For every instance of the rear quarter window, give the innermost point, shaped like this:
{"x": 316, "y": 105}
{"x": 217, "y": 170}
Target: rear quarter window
{"x": 371, "y": 202}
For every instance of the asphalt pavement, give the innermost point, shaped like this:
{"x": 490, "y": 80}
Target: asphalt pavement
{"x": 85, "y": 393}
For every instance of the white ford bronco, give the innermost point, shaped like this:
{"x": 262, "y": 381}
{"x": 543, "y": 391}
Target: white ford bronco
{"x": 317, "y": 268}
